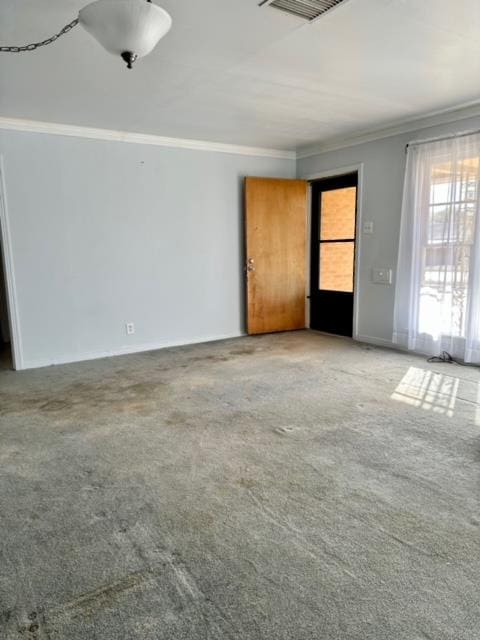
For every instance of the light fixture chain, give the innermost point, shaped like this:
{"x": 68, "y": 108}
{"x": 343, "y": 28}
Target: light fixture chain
{"x": 44, "y": 43}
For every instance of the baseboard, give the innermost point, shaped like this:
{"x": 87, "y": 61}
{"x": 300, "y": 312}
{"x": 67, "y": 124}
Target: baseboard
{"x": 123, "y": 351}
{"x": 379, "y": 342}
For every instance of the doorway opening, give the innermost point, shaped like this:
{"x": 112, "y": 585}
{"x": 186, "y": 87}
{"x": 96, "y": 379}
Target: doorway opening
{"x": 5, "y": 339}
{"x": 333, "y": 247}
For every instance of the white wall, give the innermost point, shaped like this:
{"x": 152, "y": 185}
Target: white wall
{"x": 104, "y": 233}
{"x": 383, "y": 174}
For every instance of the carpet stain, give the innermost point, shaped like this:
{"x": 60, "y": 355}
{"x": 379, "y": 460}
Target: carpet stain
{"x": 81, "y": 398}
{"x": 106, "y": 595}
{"x": 35, "y": 628}
{"x": 5, "y": 615}
{"x": 55, "y": 406}
{"x": 210, "y": 358}
{"x": 178, "y": 419}
{"x": 247, "y": 483}
{"x": 245, "y": 351}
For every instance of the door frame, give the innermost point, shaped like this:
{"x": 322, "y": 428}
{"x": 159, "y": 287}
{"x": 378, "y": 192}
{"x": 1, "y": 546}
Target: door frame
{"x": 11, "y": 290}
{"x": 332, "y": 173}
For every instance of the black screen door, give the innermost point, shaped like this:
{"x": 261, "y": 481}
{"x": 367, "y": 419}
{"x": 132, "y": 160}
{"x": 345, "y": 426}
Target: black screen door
{"x": 334, "y": 213}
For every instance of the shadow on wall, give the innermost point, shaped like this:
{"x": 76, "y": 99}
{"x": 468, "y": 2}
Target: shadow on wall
{"x": 4, "y": 325}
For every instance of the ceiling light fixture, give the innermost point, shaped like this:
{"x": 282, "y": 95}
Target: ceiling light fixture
{"x": 127, "y": 28}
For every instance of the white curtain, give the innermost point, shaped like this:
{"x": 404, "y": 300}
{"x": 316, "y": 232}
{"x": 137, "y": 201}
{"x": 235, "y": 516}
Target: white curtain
{"x": 437, "y": 297}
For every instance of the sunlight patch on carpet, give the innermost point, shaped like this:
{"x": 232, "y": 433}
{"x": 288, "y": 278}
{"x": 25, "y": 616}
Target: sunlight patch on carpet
{"x": 428, "y": 390}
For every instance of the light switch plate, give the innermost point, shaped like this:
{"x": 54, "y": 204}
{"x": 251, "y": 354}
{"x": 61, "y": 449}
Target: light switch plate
{"x": 382, "y": 276}
{"x": 368, "y": 227}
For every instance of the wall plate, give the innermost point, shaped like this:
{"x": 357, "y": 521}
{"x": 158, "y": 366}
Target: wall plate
{"x": 382, "y": 275}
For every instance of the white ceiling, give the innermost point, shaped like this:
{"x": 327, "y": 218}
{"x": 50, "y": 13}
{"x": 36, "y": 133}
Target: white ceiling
{"x": 230, "y": 71}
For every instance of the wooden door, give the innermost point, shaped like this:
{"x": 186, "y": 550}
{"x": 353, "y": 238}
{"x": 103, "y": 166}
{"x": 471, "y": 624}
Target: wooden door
{"x": 275, "y": 222}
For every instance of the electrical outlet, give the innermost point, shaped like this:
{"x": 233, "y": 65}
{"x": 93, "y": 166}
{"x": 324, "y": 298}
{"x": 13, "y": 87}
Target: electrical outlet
{"x": 130, "y": 328}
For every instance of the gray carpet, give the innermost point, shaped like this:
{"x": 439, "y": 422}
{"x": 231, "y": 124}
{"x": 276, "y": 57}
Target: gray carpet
{"x": 284, "y": 487}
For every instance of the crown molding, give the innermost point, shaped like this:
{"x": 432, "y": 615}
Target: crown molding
{"x": 52, "y": 128}
{"x": 407, "y": 125}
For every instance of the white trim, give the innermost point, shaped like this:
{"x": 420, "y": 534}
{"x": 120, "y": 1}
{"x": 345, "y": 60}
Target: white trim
{"x": 379, "y": 342}
{"x": 308, "y": 255}
{"x": 333, "y": 173}
{"x": 432, "y": 119}
{"x": 353, "y": 168}
{"x": 12, "y": 301}
{"x": 127, "y": 350}
{"x": 449, "y": 136}
{"x": 393, "y": 346}
{"x": 52, "y": 128}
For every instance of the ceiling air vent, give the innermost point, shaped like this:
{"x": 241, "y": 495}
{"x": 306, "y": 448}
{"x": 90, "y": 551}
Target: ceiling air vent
{"x": 307, "y": 9}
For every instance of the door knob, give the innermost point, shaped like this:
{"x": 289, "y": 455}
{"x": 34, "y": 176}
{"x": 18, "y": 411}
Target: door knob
{"x": 251, "y": 264}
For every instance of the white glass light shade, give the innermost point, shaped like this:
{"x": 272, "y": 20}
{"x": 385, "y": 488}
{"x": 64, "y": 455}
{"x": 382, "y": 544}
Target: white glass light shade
{"x": 120, "y": 26}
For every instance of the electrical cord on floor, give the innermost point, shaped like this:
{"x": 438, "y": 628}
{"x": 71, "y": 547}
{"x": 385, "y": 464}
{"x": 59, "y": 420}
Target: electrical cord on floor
{"x": 445, "y": 357}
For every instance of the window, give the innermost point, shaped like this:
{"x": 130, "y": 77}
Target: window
{"x": 447, "y": 255}
{"x": 337, "y": 239}
{"x": 437, "y": 304}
